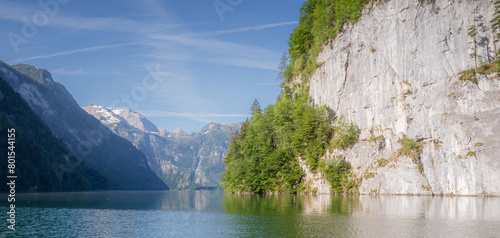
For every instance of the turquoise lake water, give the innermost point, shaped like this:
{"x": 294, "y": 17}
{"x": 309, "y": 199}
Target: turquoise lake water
{"x": 215, "y": 214}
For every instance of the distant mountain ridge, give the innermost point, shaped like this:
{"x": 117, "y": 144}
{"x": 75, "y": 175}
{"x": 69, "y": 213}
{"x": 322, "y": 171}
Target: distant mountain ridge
{"x": 183, "y": 160}
{"x": 124, "y": 166}
{"x": 114, "y": 115}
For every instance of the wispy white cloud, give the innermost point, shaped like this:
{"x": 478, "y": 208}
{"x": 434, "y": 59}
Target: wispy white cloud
{"x": 193, "y": 49}
{"x": 68, "y": 72}
{"x": 214, "y": 45}
{"x": 247, "y": 62}
{"x": 109, "y": 24}
{"x": 225, "y": 52}
{"x": 217, "y": 51}
{"x": 268, "y": 84}
{"x": 201, "y": 117}
{"x": 17, "y": 11}
{"x": 189, "y": 114}
{"x": 198, "y": 46}
{"x": 181, "y": 91}
{"x": 80, "y": 71}
{"x": 87, "y": 49}
{"x": 154, "y": 8}
{"x": 252, "y": 28}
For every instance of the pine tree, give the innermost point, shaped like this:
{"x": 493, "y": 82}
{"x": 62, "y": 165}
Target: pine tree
{"x": 283, "y": 70}
{"x": 495, "y": 25}
{"x": 472, "y": 32}
{"x": 255, "y": 107}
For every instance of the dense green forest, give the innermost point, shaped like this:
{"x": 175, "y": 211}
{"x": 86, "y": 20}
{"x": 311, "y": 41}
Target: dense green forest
{"x": 262, "y": 156}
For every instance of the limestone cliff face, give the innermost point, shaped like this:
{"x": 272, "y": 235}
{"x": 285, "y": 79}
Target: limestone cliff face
{"x": 395, "y": 72}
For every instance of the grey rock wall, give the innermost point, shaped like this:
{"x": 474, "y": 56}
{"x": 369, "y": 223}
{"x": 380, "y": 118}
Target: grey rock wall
{"x": 395, "y": 72}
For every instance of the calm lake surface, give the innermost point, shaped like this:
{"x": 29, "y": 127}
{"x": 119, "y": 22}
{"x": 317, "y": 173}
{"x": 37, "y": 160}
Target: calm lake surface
{"x": 215, "y": 214}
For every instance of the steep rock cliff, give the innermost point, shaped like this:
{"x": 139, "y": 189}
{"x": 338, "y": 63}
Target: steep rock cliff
{"x": 395, "y": 73}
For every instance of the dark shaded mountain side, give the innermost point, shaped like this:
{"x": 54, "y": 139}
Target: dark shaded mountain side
{"x": 124, "y": 166}
{"x": 42, "y": 161}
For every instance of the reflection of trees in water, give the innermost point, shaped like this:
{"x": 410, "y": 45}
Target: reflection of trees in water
{"x": 344, "y": 204}
{"x": 279, "y": 204}
{"x": 262, "y": 204}
{"x": 264, "y": 215}
{"x": 188, "y": 200}
{"x": 288, "y": 215}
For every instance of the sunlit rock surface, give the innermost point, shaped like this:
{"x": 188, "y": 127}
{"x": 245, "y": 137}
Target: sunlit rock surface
{"x": 395, "y": 72}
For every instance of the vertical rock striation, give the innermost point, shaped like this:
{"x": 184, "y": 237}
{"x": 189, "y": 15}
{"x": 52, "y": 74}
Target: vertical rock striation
{"x": 395, "y": 73}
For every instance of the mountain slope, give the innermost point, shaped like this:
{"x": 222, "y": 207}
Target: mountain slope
{"x": 43, "y": 162}
{"x": 182, "y": 160}
{"x": 124, "y": 166}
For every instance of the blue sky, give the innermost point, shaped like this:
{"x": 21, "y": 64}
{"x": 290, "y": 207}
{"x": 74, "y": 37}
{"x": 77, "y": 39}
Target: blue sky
{"x": 180, "y": 63}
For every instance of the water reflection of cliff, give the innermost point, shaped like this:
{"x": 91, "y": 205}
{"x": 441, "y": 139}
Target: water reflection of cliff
{"x": 425, "y": 216}
{"x": 316, "y": 204}
{"x": 262, "y": 204}
{"x": 431, "y": 207}
{"x": 362, "y": 216}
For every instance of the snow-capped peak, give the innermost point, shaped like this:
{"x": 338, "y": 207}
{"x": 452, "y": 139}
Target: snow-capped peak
{"x": 112, "y": 115}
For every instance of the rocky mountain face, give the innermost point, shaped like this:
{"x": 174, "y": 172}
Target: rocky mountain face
{"x": 395, "y": 73}
{"x": 42, "y": 161}
{"x": 183, "y": 160}
{"x": 127, "y": 117}
{"x": 124, "y": 166}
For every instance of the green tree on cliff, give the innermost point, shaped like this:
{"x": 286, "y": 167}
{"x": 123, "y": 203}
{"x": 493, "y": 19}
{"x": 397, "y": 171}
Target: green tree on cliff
{"x": 472, "y": 32}
{"x": 255, "y": 107}
{"x": 495, "y": 25}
